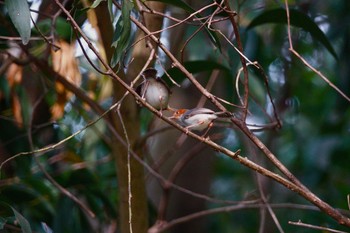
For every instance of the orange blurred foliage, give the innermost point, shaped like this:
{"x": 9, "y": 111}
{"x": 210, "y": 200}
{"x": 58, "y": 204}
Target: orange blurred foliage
{"x": 65, "y": 63}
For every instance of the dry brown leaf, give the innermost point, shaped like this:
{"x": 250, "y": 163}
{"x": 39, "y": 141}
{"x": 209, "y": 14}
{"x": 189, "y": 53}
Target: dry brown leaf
{"x": 14, "y": 77}
{"x": 65, "y": 63}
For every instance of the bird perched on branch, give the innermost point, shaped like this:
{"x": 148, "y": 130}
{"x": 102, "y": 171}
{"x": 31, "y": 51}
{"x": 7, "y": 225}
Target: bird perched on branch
{"x": 197, "y": 118}
{"x": 154, "y": 90}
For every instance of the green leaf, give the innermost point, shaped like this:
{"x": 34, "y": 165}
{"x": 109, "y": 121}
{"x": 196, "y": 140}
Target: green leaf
{"x": 95, "y": 3}
{"x": 183, "y": 5}
{"x": 46, "y": 228}
{"x": 2, "y": 222}
{"x": 26, "y": 106}
{"x": 63, "y": 28}
{"x": 20, "y": 16}
{"x": 110, "y": 9}
{"x": 297, "y": 19}
{"x": 122, "y": 33}
{"x": 25, "y": 226}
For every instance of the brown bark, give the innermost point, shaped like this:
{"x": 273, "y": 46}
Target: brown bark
{"x": 130, "y": 117}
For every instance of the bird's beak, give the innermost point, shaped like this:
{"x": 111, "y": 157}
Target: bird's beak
{"x": 174, "y": 117}
{"x": 171, "y": 109}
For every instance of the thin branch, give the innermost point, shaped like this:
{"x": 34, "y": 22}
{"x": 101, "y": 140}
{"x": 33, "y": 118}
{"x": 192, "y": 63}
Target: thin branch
{"x": 16, "y": 38}
{"x": 87, "y": 56}
{"x": 192, "y": 15}
{"x": 303, "y": 191}
{"x": 128, "y": 166}
{"x": 46, "y": 39}
{"x": 319, "y": 73}
{"x": 177, "y": 64}
{"x": 162, "y": 225}
{"x": 268, "y": 206}
{"x": 207, "y": 22}
{"x": 63, "y": 190}
{"x": 244, "y": 65}
{"x": 181, "y": 163}
{"x": 213, "y": 77}
{"x": 261, "y": 187}
{"x": 58, "y": 144}
{"x": 299, "y": 223}
{"x": 268, "y": 90}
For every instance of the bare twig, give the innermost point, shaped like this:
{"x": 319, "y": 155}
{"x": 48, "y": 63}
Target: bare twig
{"x": 244, "y": 65}
{"x": 163, "y": 203}
{"x": 299, "y": 223}
{"x": 162, "y": 225}
{"x": 47, "y": 40}
{"x": 213, "y": 77}
{"x": 128, "y": 166}
{"x": 319, "y": 73}
{"x": 63, "y": 190}
{"x": 268, "y": 206}
{"x": 58, "y": 144}
{"x": 171, "y": 26}
{"x": 197, "y": 30}
{"x": 266, "y": 82}
{"x": 17, "y": 38}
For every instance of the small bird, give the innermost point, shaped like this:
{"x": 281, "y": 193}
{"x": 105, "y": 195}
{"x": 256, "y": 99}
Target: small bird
{"x": 197, "y": 118}
{"x": 154, "y": 90}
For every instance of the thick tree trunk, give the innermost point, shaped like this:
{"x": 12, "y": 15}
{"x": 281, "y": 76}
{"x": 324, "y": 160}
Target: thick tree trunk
{"x": 130, "y": 117}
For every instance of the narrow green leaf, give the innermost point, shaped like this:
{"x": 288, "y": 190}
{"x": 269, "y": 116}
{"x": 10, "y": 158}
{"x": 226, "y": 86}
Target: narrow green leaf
{"x": 46, "y": 228}
{"x": 297, "y": 19}
{"x": 95, "y": 3}
{"x": 25, "y": 226}
{"x": 20, "y": 16}
{"x": 63, "y": 28}
{"x": 183, "y": 5}
{"x": 2, "y": 222}
{"x": 122, "y": 33}
{"x": 110, "y": 9}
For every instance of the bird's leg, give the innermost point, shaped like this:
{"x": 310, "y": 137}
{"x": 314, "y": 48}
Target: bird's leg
{"x": 188, "y": 129}
{"x": 194, "y": 125}
{"x": 207, "y": 131}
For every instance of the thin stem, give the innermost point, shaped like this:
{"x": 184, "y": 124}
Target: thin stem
{"x": 244, "y": 65}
